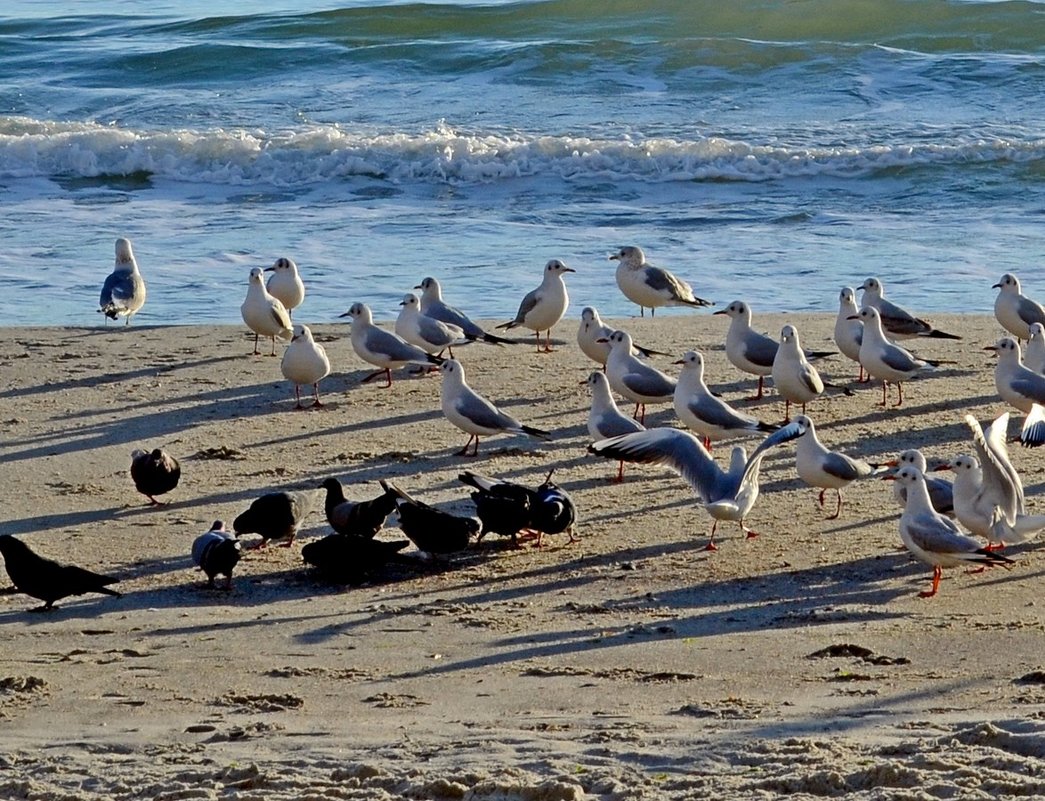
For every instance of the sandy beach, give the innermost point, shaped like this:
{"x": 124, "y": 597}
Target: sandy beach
{"x": 632, "y": 664}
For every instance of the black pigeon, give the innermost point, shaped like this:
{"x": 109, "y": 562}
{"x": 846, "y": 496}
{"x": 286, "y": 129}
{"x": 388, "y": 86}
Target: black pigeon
{"x": 357, "y": 518}
{"x": 433, "y": 530}
{"x": 216, "y": 553}
{"x": 504, "y": 508}
{"x": 154, "y": 473}
{"x": 275, "y": 516}
{"x": 552, "y": 511}
{"x": 347, "y": 559}
{"x": 46, "y": 579}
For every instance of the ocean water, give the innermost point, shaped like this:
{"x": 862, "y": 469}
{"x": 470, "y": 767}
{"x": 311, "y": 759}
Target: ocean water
{"x": 767, "y": 151}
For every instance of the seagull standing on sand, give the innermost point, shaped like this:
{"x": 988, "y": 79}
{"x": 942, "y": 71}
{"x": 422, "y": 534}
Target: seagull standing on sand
{"x": 884, "y": 360}
{"x": 265, "y": 315}
{"x": 1014, "y": 310}
{"x": 699, "y": 410}
{"x": 474, "y": 414}
{"x": 543, "y": 307}
{"x": 1021, "y": 387}
{"x": 305, "y": 362}
{"x": 650, "y": 286}
{"x": 726, "y": 494}
{"x": 591, "y": 333}
{"x": 1034, "y": 358}
{"x": 382, "y": 348}
{"x": 826, "y": 469}
{"x": 432, "y": 305}
{"x": 849, "y": 331}
{"x": 286, "y": 284}
{"x": 429, "y": 334}
{"x": 793, "y": 376}
{"x": 933, "y": 538}
{"x": 898, "y": 322}
{"x": 605, "y": 420}
{"x": 123, "y": 292}
{"x": 941, "y": 492}
{"x": 634, "y": 379}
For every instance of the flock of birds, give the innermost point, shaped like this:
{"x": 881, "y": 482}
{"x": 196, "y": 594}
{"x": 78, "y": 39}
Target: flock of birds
{"x": 943, "y": 525}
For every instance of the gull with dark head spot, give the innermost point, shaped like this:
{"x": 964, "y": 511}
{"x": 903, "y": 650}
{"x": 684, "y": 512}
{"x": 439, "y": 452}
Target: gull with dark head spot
{"x": 382, "y": 348}
{"x": 429, "y": 334}
{"x": 305, "y": 362}
{"x": 634, "y": 379}
{"x": 265, "y": 315}
{"x": 896, "y": 321}
{"x": 123, "y": 292}
{"x": 591, "y": 333}
{"x": 433, "y": 305}
{"x": 1021, "y": 387}
{"x": 650, "y": 286}
{"x": 885, "y": 360}
{"x": 544, "y": 306}
{"x": 941, "y": 492}
{"x": 285, "y": 284}
{"x": 793, "y": 376}
{"x": 849, "y": 331}
{"x": 605, "y": 420}
{"x": 825, "y": 469}
{"x": 1034, "y": 358}
{"x": 1014, "y": 310}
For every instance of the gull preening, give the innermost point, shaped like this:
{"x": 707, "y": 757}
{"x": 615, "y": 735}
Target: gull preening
{"x": 634, "y": 379}
{"x": 823, "y": 468}
{"x": 605, "y": 419}
{"x": 794, "y": 378}
{"x": 544, "y": 306}
{"x": 898, "y": 322}
{"x": 650, "y": 286}
{"x": 433, "y": 305}
{"x": 886, "y": 360}
{"x": 123, "y": 292}
{"x": 593, "y": 336}
{"x": 381, "y": 348}
{"x": 429, "y": 334}
{"x": 849, "y": 331}
{"x": 265, "y": 315}
{"x": 305, "y": 362}
{"x": 286, "y": 284}
{"x": 1014, "y": 310}
{"x": 474, "y": 414}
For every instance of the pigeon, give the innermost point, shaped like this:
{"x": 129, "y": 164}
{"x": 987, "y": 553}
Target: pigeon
{"x": 381, "y": 348}
{"x": 304, "y": 362}
{"x": 349, "y": 559}
{"x": 592, "y": 331}
{"x": 826, "y": 469}
{"x": 265, "y": 315}
{"x": 504, "y": 507}
{"x": 552, "y": 511}
{"x": 650, "y": 286}
{"x": 1014, "y": 310}
{"x": 285, "y": 284}
{"x": 154, "y": 473}
{"x": 433, "y": 530}
{"x": 275, "y": 516}
{"x": 429, "y": 334}
{"x": 216, "y": 553}
{"x": 897, "y": 322}
{"x": 47, "y": 580}
{"x": 357, "y": 518}
{"x": 543, "y": 307}
{"x": 123, "y": 292}
{"x": 433, "y": 305}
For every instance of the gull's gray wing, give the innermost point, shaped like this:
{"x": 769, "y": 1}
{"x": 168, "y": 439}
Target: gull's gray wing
{"x": 617, "y": 425}
{"x": 648, "y": 382}
{"x": 1030, "y": 385}
{"x": 435, "y": 331}
{"x": 481, "y": 412}
{"x": 380, "y": 341}
{"x": 935, "y": 533}
{"x": 899, "y": 359}
{"x": 716, "y": 412}
{"x": 528, "y": 303}
{"x": 280, "y": 315}
{"x": 659, "y": 279}
{"x": 841, "y": 466}
{"x": 759, "y": 349}
{"x": 677, "y": 449}
{"x": 789, "y": 432}
{"x": 811, "y": 379}
{"x": 1030, "y": 311}
{"x": 448, "y": 314}
{"x": 899, "y": 321}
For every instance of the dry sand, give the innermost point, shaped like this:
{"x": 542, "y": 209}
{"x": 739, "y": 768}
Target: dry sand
{"x": 629, "y": 665}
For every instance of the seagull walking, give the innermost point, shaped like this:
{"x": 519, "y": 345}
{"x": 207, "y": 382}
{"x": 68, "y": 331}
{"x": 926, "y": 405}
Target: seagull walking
{"x": 650, "y": 286}
{"x": 431, "y": 335}
{"x": 433, "y": 305}
{"x": 381, "y": 348}
{"x": 543, "y": 307}
{"x": 605, "y": 420}
{"x": 285, "y": 284}
{"x": 1014, "y": 310}
{"x": 265, "y": 315}
{"x": 305, "y": 362}
{"x": 793, "y": 376}
{"x": 896, "y": 321}
{"x": 634, "y": 379}
{"x": 825, "y": 469}
{"x": 123, "y": 292}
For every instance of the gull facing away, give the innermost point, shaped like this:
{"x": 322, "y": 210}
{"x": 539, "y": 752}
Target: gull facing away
{"x": 590, "y": 333}
{"x": 726, "y": 494}
{"x": 305, "y": 362}
{"x": 1021, "y": 387}
{"x": 123, "y": 292}
{"x": 793, "y": 376}
{"x": 898, "y": 322}
{"x": 849, "y": 331}
{"x": 1014, "y": 310}
{"x": 605, "y": 420}
{"x": 650, "y": 286}
{"x": 382, "y": 348}
{"x": 433, "y": 305}
{"x": 634, "y": 379}
{"x": 264, "y": 315}
{"x": 700, "y": 411}
{"x": 941, "y": 492}
{"x": 429, "y": 334}
{"x": 544, "y": 306}
{"x": 933, "y": 538}
{"x": 826, "y": 469}
{"x": 474, "y": 414}
{"x": 885, "y": 360}
{"x": 286, "y": 284}
{"x": 1034, "y": 358}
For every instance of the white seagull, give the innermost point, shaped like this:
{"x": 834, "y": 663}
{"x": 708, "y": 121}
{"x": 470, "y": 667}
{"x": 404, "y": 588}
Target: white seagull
{"x": 823, "y": 468}
{"x": 634, "y": 379}
{"x": 699, "y": 410}
{"x": 428, "y": 333}
{"x": 726, "y": 494}
{"x": 650, "y": 286}
{"x": 433, "y": 305}
{"x": 544, "y": 306}
{"x": 382, "y": 348}
{"x": 305, "y": 362}
{"x": 123, "y": 292}
{"x": 898, "y": 322}
{"x": 592, "y": 331}
{"x": 885, "y": 360}
{"x": 1034, "y": 358}
{"x": 286, "y": 283}
{"x": 265, "y": 315}
{"x": 1021, "y": 387}
{"x": 1014, "y": 310}
{"x": 605, "y": 420}
{"x": 849, "y": 331}
{"x": 793, "y": 376}
{"x": 941, "y": 492}
{"x": 933, "y": 538}
{"x": 474, "y": 414}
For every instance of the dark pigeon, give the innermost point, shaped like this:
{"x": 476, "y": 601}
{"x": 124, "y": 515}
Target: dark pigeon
{"x": 503, "y": 507}
{"x": 357, "y": 518}
{"x": 154, "y": 473}
{"x": 433, "y": 530}
{"x": 46, "y": 579}
{"x": 275, "y": 516}
{"x": 347, "y": 559}
{"x": 216, "y": 553}
{"x": 552, "y": 511}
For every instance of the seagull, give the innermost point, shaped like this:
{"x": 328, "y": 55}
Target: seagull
{"x": 592, "y": 329}
{"x": 605, "y": 420}
{"x": 1014, "y": 310}
{"x": 750, "y": 351}
{"x": 933, "y": 538}
{"x": 699, "y": 410}
{"x": 899, "y": 323}
{"x": 542, "y": 308}
{"x": 357, "y": 518}
{"x": 885, "y": 360}
{"x": 123, "y": 292}
{"x": 1034, "y": 358}
{"x": 304, "y": 362}
{"x": 826, "y": 469}
{"x": 285, "y": 284}
{"x": 47, "y": 580}
{"x": 275, "y": 516}
{"x": 432, "y": 305}
{"x": 264, "y": 315}
{"x": 650, "y": 286}
{"x": 382, "y": 348}
{"x": 216, "y": 552}
{"x": 1021, "y": 387}
{"x": 941, "y": 492}
{"x": 474, "y": 414}
{"x": 634, "y": 379}
{"x": 793, "y": 376}
{"x": 849, "y": 331}
{"x": 154, "y": 472}
{"x": 427, "y": 333}
{"x": 726, "y": 494}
